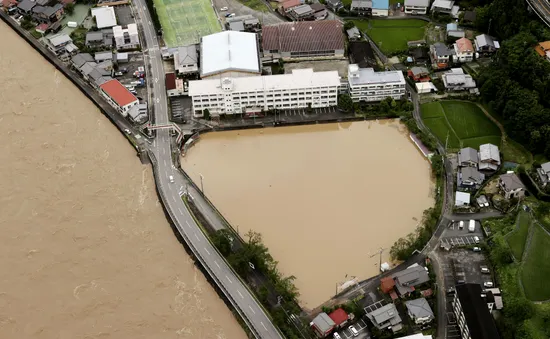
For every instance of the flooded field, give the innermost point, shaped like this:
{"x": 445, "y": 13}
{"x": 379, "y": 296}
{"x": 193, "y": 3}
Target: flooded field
{"x": 86, "y": 251}
{"x": 326, "y": 198}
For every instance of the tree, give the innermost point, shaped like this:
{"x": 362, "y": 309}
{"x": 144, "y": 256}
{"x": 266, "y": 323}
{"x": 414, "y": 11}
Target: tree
{"x": 26, "y": 23}
{"x": 221, "y": 239}
{"x": 206, "y": 114}
{"x": 69, "y": 8}
{"x": 519, "y": 309}
{"x": 345, "y": 103}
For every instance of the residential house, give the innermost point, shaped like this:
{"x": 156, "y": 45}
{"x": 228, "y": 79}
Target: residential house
{"x": 472, "y": 314}
{"x": 380, "y": 7}
{"x": 121, "y": 57}
{"x": 418, "y": 51}
{"x": 468, "y": 157}
{"x": 126, "y": 38}
{"x": 445, "y": 7}
{"x": 441, "y": 55}
{"x": 102, "y": 56}
{"x": 387, "y": 284}
{"x": 462, "y": 199}
{"x": 456, "y": 80}
{"x": 243, "y": 23}
{"x": 354, "y": 34}
{"x": 25, "y": 7}
{"x": 10, "y": 5}
{"x": 511, "y": 186}
{"x": 417, "y": 336}
{"x": 362, "y": 7}
{"x": 322, "y": 325}
{"x": 334, "y": 5}
{"x": 454, "y": 31}
{"x": 543, "y": 173}
{"x": 469, "y": 177}
{"x": 47, "y": 14}
{"x": 174, "y": 86}
{"x": 486, "y": 44}
{"x": 489, "y": 157}
{"x": 138, "y": 113}
{"x": 118, "y": 96}
{"x": 542, "y": 48}
{"x": 319, "y": 11}
{"x": 80, "y": 59}
{"x": 99, "y": 39}
{"x": 340, "y": 317}
{"x": 58, "y": 43}
{"x": 300, "y": 13}
{"x": 384, "y": 317}
{"x": 407, "y": 279}
{"x": 288, "y": 5}
{"x": 420, "y": 311}
{"x": 186, "y": 60}
{"x": 419, "y": 74}
{"x": 425, "y": 87}
{"x": 417, "y": 6}
{"x": 464, "y": 51}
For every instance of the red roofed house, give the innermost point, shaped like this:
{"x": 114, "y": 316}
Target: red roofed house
{"x": 174, "y": 86}
{"x": 287, "y": 5}
{"x": 464, "y": 50}
{"x": 303, "y": 40}
{"x": 7, "y": 4}
{"x": 387, "y": 284}
{"x": 340, "y": 317}
{"x": 118, "y": 96}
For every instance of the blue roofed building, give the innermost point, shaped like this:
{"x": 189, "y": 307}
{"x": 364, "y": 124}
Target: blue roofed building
{"x": 380, "y": 7}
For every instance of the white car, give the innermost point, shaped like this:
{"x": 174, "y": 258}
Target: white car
{"x": 488, "y": 284}
{"x": 337, "y": 336}
{"x": 353, "y": 331}
{"x": 171, "y": 179}
{"x": 127, "y": 131}
{"x": 223, "y": 9}
{"x": 476, "y": 249}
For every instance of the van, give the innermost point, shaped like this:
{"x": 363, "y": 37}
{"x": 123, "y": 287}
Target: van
{"x": 337, "y": 336}
{"x": 171, "y": 178}
{"x": 353, "y": 331}
{"x": 488, "y": 284}
{"x": 476, "y": 239}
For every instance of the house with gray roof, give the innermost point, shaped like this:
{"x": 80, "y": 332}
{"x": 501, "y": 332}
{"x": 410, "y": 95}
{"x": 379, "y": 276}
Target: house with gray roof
{"x": 80, "y": 59}
{"x": 511, "y": 186}
{"x": 362, "y": 7}
{"x": 322, "y": 324}
{"x": 102, "y": 56}
{"x": 47, "y": 14}
{"x": 419, "y": 311}
{"x": 543, "y": 173}
{"x": 354, "y": 34}
{"x": 384, "y": 317}
{"x": 57, "y": 43}
{"x": 489, "y": 157}
{"x": 99, "y": 39}
{"x": 467, "y": 157}
{"x": 25, "y": 7}
{"x": 469, "y": 177}
{"x": 406, "y": 279}
{"x": 186, "y": 60}
{"x": 441, "y": 55}
{"x": 486, "y": 44}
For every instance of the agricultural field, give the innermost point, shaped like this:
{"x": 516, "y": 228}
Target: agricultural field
{"x": 391, "y": 36}
{"x": 184, "y": 22}
{"x": 460, "y": 124}
{"x": 516, "y": 239}
{"x": 536, "y": 268}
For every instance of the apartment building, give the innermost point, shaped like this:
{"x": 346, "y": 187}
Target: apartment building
{"x": 250, "y": 95}
{"x": 126, "y": 38}
{"x": 472, "y": 313}
{"x": 367, "y": 85}
{"x": 417, "y": 6}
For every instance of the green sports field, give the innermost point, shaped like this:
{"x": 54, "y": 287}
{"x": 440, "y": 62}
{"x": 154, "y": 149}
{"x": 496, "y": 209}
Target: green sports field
{"x": 392, "y": 35}
{"x": 536, "y": 268}
{"x": 516, "y": 240}
{"x": 184, "y": 22}
{"x": 460, "y": 124}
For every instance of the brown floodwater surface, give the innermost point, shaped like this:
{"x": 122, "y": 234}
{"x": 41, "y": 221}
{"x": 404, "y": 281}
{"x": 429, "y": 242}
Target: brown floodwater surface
{"x": 85, "y": 248}
{"x": 325, "y": 198}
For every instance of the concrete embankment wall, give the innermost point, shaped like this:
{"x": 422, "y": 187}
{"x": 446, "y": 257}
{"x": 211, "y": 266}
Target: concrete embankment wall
{"x": 74, "y": 77}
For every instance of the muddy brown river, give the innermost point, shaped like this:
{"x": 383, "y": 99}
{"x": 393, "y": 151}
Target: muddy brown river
{"x": 86, "y": 251}
{"x": 326, "y": 198}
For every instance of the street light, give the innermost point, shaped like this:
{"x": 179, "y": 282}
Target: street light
{"x": 202, "y": 188}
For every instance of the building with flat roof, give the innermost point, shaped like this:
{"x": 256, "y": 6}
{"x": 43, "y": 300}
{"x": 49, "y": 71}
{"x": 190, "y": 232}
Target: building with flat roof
{"x": 416, "y": 336}
{"x": 126, "y": 38}
{"x": 303, "y": 40}
{"x": 417, "y": 6}
{"x": 462, "y": 199}
{"x": 104, "y": 16}
{"x": 249, "y": 95}
{"x": 229, "y": 54}
{"x": 472, "y": 313}
{"x": 118, "y": 96}
{"x": 367, "y": 85}
{"x": 380, "y": 7}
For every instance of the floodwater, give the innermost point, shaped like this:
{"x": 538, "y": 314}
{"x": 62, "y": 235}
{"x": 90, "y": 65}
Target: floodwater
{"x": 86, "y": 251}
{"x": 326, "y": 198}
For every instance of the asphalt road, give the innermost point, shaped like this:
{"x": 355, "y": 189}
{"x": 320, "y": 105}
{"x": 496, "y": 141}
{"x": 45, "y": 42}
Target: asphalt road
{"x": 542, "y": 8}
{"x": 237, "y": 293}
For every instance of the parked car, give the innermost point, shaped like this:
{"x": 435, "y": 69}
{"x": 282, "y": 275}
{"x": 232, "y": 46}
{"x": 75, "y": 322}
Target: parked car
{"x": 223, "y": 9}
{"x": 476, "y": 239}
{"x": 230, "y": 15}
{"x": 337, "y": 336}
{"x": 118, "y": 74}
{"x": 171, "y": 179}
{"x": 476, "y": 249}
{"x": 488, "y": 284}
{"x": 485, "y": 270}
{"x": 127, "y": 131}
{"x": 353, "y": 331}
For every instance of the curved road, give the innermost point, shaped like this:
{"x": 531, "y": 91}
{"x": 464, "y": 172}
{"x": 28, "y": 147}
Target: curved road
{"x": 255, "y": 317}
{"x": 542, "y": 8}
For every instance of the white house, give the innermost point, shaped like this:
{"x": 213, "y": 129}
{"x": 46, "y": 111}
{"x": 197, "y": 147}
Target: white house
{"x": 118, "y": 96}
{"x": 126, "y": 38}
{"x": 367, "y": 85}
{"x": 104, "y": 16}
{"x": 380, "y": 7}
{"x": 250, "y": 95}
{"x": 456, "y": 80}
{"x": 464, "y": 50}
{"x": 417, "y": 6}
{"x": 446, "y": 7}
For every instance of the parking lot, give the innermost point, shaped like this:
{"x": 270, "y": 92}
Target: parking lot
{"x": 135, "y": 60}
{"x": 124, "y": 15}
{"x": 304, "y": 111}
{"x": 457, "y": 234}
{"x": 360, "y": 326}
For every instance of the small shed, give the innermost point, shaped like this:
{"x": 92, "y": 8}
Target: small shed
{"x": 387, "y": 284}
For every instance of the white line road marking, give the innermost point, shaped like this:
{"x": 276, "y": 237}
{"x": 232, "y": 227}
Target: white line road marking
{"x": 229, "y": 280}
{"x": 173, "y": 197}
{"x": 215, "y": 262}
{"x": 196, "y": 236}
{"x": 158, "y": 100}
{"x": 251, "y": 309}
{"x": 207, "y": 251}
{"x": 240, "y": 294}
{"x": 179, "y": 209}
{"x": 164, "y": 152}
{"x": 164, "y": 163}
{"x": 261, "y": 322}
{"x": 149, "y": 23}
{"x": 187, "y": 222}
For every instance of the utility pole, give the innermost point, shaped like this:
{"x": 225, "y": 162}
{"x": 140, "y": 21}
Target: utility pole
{"x": 202, "y": 188}
{"x": 380, "y": 254}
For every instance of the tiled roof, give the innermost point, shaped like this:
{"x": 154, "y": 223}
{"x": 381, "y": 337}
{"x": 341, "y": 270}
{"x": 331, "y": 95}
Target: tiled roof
{"x": 464, "y": 45}
{"x": 118, "y": 93}
{"x": 304, "y": 36}
{"x": 291, "y": 3}
{"x": 170, "y": 81}
{"x": 542, "y": 47}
